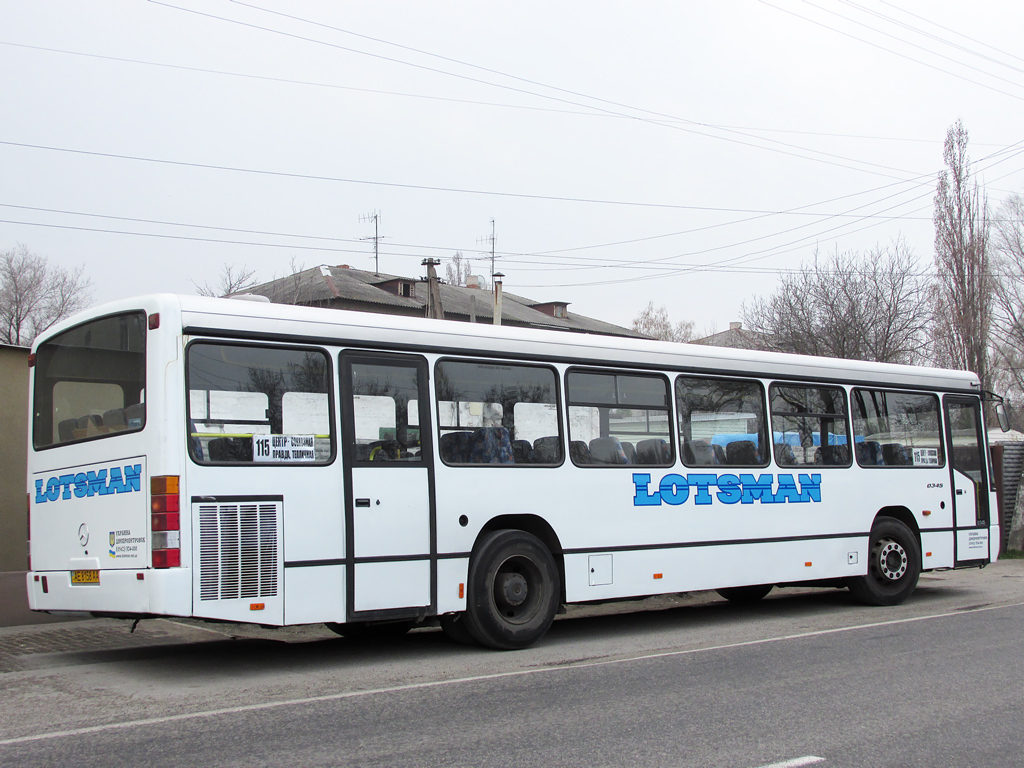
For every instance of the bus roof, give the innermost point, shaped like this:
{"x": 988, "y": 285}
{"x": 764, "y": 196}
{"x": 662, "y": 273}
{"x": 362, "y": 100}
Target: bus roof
{"x": 261, "y": 320}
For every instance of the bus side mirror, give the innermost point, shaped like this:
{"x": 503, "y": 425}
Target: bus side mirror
{"x": 1004, "y": 422}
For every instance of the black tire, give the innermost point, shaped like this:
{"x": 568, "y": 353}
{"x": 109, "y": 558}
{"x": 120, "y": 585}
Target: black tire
{"x": 361, "y": 632}
{"x": 894, "y": 565}
{"x": 455, "y": 629}
{"x": 750, "y": 594}
{"x": 514, "y": 590}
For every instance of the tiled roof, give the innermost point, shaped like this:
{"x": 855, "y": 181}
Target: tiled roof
{"x": 347, "y": 288}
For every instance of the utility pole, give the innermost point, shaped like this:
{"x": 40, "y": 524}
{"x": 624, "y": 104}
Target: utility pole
{"x": 375, "y": 218}
{"x": 434, "y": 308}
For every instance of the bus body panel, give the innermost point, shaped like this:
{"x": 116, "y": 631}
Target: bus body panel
{"x": 623, "y": 531}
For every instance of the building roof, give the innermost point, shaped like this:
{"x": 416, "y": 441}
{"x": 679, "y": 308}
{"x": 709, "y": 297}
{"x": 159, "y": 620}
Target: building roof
{"x": 343, "y": 287}
{"x": 737, "y": 337}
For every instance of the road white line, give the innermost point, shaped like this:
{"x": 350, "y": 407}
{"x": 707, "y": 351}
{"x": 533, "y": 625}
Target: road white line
{"x": 478, "y": 678}
{"x": 796, "y": 762}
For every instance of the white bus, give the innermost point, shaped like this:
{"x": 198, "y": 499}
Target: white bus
{"x": 245, "y": 461}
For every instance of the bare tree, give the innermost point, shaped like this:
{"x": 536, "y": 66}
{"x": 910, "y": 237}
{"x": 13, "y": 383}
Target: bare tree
{"x": 233, "y": 279}
{"x": 34, "y": 295}
{"x": 457, "y": 272}
{"x": 844, "y": 305}
{"x": 1008, "y": 316}
{"x": 656, "y": 324}
{"x": 964, "y": 287}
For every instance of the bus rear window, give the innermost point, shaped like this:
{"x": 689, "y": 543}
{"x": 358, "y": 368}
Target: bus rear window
{"x": 90, "y": 381}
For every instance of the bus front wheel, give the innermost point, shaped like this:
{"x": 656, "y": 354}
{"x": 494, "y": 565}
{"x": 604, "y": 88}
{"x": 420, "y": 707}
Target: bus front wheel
{"x": 513, "y": 590}
{"x": 894, "y": 565}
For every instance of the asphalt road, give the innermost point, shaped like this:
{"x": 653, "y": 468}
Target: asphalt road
{"x": 803, "y": 678}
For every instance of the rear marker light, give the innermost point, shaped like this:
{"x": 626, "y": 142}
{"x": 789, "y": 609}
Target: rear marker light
{"x": 808, "y": 564}
{"x": 462, "y": 591}
{"x": 257, "y": 606}
{"x": 657, "y": 575}
{"x": 926, "y": 512}
{"x": 165, "y": 520}
{"x": 154, "y": 321}
{"x": 140, "y": 577}
{"x": 927, "y": 554}
{"x": 32, "y": 360}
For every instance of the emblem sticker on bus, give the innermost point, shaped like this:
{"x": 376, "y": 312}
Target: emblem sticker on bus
{"x": 726, "y": 489}
{"x": 102, "y": 482}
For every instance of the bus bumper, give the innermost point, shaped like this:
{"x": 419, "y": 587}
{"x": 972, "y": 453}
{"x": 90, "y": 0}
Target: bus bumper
{"x": 147, "y": 591}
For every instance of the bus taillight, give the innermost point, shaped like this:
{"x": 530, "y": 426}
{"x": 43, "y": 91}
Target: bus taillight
{"x": 165, "y": 521}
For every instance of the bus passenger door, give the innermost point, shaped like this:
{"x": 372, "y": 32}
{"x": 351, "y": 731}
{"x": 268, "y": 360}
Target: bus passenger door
{"x": 389, "y": 485}
{"x": 968, "y": 478}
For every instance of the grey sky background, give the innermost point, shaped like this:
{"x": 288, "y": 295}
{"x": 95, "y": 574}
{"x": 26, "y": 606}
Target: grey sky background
{"x": 685, "y": 153}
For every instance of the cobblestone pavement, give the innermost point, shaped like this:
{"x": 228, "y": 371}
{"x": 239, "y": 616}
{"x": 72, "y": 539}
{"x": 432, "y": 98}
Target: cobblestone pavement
{"x": 19, "y": 644}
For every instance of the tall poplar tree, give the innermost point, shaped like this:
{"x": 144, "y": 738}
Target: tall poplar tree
{"x": 964, "y": 287}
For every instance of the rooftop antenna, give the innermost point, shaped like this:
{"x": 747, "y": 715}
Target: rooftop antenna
{"x": 492, "y": 239}
{"x": 375, "y": 218}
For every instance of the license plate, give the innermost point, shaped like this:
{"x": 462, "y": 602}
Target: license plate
{"x": 85, "y": 577}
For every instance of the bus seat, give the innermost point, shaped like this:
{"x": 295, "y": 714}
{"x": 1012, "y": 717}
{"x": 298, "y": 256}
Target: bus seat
{"x": 454, "y": 447}
{"x": 230, "y": 449}
{"x": 630, "y": 450}
{"x": 133, "y": 415}
{"x": 580, "y": 452}
{"x": 784, "y": 455}
{"x": 895, "y": 454}
{"x": 114, "y": 417}
{"x": 547, "y": 450}
{"x": 491, "y": 445}
{"x": 833, "y": 455}
{"x": 742, "y": 452}
{"x": 66, "y": 430}
{"x": 607, "y": 450}
{"x": 653, "y": 451}
{"x": 869, "y": 453}
{"x": 697, "y": 453}
{"x": 523, "y": 451}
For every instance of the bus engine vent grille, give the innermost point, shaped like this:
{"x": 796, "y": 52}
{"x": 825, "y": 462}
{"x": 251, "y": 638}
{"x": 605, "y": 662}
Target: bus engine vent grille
{"x": 238, "y": 550}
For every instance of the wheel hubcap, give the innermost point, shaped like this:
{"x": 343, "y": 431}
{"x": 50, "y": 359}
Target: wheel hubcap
{"x": 514, "y": 589}
{"x": 892, "y": 560}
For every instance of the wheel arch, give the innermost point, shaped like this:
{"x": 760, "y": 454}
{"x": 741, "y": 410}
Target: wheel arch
{"x": 535, "y": 525}
{"x": 902, "y": 514}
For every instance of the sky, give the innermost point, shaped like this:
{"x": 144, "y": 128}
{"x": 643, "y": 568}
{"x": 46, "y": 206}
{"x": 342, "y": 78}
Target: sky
{"x": 613, "y": 154}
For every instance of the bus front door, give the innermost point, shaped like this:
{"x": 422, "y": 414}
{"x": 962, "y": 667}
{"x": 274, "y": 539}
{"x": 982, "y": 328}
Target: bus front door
{"x": 389, "y": 505}
{"x": 968, "y": 478}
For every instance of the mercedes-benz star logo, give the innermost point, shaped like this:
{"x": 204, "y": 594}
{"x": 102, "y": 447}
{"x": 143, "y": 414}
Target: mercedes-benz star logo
{"x": 83, "y": 534}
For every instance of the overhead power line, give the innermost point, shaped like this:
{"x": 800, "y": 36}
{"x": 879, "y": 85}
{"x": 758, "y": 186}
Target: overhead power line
{"x": 400, "y": 185}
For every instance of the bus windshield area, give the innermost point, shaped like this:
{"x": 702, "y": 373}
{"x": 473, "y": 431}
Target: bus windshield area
{"x": 90, "y": 381}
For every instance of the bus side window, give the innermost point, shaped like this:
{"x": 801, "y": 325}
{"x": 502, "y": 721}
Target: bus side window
{"x": 809, "y": 426}
{"x": 896, "y": 429}
{"x": 721, "y": 421}
{"x": 251, "y": 403}
{"x": 618, "y": 419}
{"x": 497, "y": 414}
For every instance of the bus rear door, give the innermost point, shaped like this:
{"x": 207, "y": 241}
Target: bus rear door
{"x": 389, "y": 505}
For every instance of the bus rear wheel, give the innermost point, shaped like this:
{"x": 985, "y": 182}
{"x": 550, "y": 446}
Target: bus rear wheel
{"x": 381, "y": 632}
{"x": 749, "y": 594}
{"x": 894, "y": 565}
{"x": 513, "y": 590}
